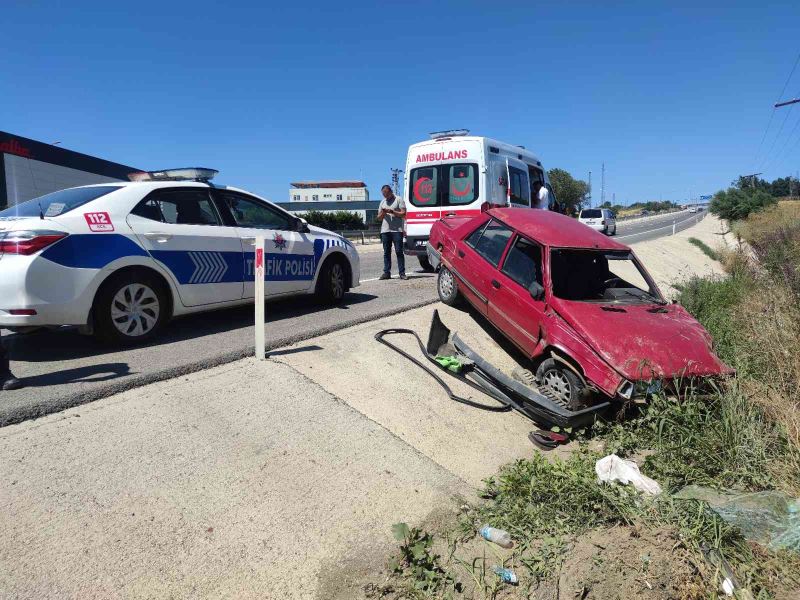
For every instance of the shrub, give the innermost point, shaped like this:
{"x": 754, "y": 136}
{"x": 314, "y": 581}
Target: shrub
{"x": 734, "y": 204}
{"x": 341, "y": 220}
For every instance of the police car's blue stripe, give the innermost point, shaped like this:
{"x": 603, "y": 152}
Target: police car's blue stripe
{"x": 196, "y": 267}
{"x": 91, "y": 251}
{"x": 95, "y": 251}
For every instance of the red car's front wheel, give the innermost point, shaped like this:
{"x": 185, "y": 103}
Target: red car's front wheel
{"x": 447, "y": 286}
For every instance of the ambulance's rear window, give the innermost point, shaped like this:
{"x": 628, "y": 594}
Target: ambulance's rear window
{"x": 424, "y": 186}
{"x": 444, "y": 185}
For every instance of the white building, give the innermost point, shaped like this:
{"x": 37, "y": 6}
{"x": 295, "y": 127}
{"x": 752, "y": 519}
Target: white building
{"x": 329, "y": 191}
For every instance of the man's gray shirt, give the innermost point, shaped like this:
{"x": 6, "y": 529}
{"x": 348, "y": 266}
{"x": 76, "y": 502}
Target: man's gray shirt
{"x": 391, "y": 222}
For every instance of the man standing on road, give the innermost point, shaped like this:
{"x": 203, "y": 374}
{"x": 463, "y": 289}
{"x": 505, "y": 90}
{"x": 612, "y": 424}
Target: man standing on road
{"x": 392, "y": 212}
{"x": 7, "y": 380}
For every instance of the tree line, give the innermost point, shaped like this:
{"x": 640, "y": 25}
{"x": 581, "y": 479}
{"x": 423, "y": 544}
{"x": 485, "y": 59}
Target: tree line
{"x": 750, "y": 194}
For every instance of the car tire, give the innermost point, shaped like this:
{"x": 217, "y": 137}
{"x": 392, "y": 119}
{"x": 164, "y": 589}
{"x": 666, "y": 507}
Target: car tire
{"x": 447, "y": 286}
{"x": 561, "y": 384}
{"x": 332, "y": 281}
{"x": 425, "y": 263}
{"x": 130, "y": 308}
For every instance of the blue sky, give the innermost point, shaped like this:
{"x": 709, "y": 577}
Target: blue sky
{"x": 674, "y": 97}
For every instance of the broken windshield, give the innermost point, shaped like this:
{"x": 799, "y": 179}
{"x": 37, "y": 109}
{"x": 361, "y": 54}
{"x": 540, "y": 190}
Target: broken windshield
{"x": 600, "y": 276}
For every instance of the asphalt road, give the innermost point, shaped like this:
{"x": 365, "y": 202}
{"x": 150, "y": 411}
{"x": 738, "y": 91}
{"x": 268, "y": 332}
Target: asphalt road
{"x": 62, "y": 368}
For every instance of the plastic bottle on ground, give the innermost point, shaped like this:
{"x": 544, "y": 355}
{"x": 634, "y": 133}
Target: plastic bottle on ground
{"x": 507, "y": 575}
{"x": 498, "y": 536}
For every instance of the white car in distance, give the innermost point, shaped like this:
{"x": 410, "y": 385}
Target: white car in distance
{"x": 599, "y": 219}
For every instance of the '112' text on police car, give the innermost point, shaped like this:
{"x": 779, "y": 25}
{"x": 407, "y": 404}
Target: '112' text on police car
{"x": 123, "y": 258}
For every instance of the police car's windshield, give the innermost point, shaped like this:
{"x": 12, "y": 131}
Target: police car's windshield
{"x": 58, "y": 203}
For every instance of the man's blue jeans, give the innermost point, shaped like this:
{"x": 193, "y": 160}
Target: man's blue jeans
{"x": 389, "y": 239}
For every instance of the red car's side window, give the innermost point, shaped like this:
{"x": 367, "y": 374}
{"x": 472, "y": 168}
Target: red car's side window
{"x": 491, "y": 241}
{"x": 523, "y": 263}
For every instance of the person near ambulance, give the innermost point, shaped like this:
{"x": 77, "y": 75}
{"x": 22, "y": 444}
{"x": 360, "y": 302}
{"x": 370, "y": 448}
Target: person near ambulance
{"x": 392, "y": 213}
{"x": 541, "y": 196}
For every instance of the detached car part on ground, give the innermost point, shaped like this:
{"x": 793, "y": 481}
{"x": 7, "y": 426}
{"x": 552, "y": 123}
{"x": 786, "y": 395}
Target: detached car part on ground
{"x": 121, "y": 259}
{"x": 579, "y": 305}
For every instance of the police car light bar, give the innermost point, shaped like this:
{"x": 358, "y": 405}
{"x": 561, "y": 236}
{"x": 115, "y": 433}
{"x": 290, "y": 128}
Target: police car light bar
{"x": 185, "y": 174}
{"x": 435, "y": 135}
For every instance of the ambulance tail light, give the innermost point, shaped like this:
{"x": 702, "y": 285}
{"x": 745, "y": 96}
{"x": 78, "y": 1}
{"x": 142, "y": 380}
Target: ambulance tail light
{"x": 28, "y": 242}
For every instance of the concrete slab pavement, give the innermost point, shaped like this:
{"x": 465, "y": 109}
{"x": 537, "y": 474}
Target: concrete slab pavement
{"x": 392, "y": 391}
{"x": 244, "y": 481}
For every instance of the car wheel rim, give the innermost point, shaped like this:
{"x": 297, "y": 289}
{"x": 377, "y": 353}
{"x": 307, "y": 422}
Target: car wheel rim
{"x": 445, "y": 283}
{"x": 134, "y": 310}
{"x": 558, "y": 384}
{"x": 337, "y": 281}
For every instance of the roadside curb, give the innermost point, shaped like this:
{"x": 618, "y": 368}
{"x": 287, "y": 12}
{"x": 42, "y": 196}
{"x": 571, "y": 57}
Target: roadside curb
{"x": 19, "y": 414}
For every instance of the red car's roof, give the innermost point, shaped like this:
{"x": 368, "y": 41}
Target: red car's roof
{"x": 554, "y": 229}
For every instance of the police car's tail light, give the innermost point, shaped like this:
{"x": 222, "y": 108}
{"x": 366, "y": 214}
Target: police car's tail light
{"x": 185, "y": 174}
{"x": 28, "y": 242}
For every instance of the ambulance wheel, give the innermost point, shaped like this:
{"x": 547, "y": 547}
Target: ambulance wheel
{"x": 332, "y": 283}
{"x": 425, "y": 263}
{"x": 447, "y": 286}
{"x": 561, "y": 383}
{"x": 130, "y": 308}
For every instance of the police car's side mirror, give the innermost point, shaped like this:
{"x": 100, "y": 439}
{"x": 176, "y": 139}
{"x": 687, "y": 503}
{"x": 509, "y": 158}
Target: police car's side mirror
{"x": 302, "y": 225}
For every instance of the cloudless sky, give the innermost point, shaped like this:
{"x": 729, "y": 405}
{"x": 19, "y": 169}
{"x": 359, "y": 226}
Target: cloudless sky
{"x": 674, "y": 97}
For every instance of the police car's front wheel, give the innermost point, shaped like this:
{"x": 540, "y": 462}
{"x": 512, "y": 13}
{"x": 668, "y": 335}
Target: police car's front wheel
{"x": 332, "y": 283}
{"x": 130, "y": 307}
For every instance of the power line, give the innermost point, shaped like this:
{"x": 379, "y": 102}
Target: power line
{"x": 777, "y": 137}
{"x": 772, "y": 114}
{"x": 781, "y": 155}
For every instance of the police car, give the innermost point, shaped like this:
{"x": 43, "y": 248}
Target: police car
{"x": 121, "y": 259}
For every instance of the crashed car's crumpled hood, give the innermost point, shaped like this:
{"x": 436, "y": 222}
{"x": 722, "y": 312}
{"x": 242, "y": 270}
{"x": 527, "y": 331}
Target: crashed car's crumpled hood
{"x": 645, "y": 341}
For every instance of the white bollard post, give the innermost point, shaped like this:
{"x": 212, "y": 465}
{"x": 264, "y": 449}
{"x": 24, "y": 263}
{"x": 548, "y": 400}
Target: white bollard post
{"x": 258, "y": 274}
{"x": 673, "y": 229}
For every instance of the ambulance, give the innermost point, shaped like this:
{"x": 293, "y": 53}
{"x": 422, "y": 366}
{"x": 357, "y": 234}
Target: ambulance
{"x": 454, "y": 174}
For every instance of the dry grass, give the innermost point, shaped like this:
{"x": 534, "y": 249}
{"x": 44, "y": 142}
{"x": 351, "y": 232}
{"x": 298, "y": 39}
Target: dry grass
{"x": 770, "y": 318}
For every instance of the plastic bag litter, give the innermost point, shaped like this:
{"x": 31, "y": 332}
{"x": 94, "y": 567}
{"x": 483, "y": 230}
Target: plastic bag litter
{"x": 768, "y": 518}
{"x": 612, "y": 468}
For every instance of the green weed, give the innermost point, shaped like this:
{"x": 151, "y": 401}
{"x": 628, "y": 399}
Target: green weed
{"x": 707, "y": 250}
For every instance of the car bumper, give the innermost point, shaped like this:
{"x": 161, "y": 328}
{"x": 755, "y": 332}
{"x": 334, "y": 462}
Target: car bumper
{"x": 55, "y": 294}
{"x": 596, "y": 226}
{"x": 434, "y": 256}
{"x": 415, "y": 245}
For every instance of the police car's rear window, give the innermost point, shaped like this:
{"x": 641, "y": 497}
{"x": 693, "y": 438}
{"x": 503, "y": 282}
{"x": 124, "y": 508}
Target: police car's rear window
{"x": 58, "y": 203}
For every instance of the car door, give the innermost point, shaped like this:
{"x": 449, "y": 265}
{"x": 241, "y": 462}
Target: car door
{"x": 477, "y": 257}
{"x": 511, "y": 306}
{"x": 289, "y": 262}
{"x": 182, "y": 230}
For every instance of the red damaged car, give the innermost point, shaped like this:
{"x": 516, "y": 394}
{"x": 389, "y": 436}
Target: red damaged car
{"x": 578, "y": 303}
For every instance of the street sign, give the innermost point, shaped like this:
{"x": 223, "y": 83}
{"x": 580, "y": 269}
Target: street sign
{"x": 705, "y": 197}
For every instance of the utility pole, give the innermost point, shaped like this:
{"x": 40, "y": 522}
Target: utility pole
{"x": 395, "y": 179}
{"x": 752, "y": 177}
{"x": 590, "y": 189}
{"x": 788, "y": 102}
{"x": 603, "y": 185}
{"x": 614, "y": 198}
